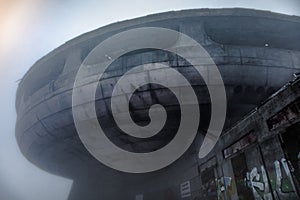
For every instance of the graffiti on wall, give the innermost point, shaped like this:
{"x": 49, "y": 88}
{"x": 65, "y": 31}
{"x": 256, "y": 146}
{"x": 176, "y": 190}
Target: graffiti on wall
{"x": 259, "y": 184}
{"x": 224, "y": 184}
{"x": 280, "y": 185}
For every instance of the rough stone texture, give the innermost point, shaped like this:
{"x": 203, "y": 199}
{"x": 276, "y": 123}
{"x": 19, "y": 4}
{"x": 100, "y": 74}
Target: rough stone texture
{"x": 236, "y": 40}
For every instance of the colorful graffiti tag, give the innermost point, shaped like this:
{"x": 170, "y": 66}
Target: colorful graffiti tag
{"x": 224, "y": 184}
{"x": 281, "y": 188}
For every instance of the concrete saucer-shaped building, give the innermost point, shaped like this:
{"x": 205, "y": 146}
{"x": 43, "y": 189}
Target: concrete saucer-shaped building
{"x": 256, "y": 53}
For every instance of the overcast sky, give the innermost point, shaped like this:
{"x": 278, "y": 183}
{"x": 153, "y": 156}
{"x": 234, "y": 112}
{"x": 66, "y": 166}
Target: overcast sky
{"x": 29, "y": 29}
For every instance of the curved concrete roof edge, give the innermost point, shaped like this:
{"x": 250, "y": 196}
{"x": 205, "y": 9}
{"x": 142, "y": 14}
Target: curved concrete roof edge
{"x": 166, "y": 15}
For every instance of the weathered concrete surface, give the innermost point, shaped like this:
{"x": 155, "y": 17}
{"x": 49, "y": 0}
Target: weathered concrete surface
{"x": 256, "y": 52}
{"x": 257, "y": 153}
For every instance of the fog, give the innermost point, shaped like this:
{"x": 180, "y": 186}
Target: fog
{"x": 29, "y": 29}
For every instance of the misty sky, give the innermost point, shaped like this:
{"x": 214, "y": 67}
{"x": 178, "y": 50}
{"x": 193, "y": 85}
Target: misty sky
{"x": 29, "y": 29}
